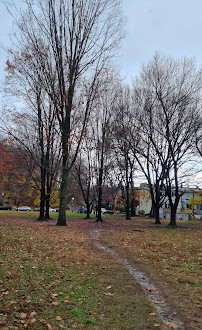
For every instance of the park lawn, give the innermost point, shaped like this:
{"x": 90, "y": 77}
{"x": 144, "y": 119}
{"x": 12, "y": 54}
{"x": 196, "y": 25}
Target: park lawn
{"x": 34, "y": 215}
{"x": 53, "y": 278}
{"x": 171, "y": 257}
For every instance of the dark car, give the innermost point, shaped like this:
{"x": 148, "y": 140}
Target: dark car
{"x": 82, "y": 210}
{"x": 5, "y": 207}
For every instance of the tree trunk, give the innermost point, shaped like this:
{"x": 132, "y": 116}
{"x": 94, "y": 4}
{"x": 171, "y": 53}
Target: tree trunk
{"x": 157, "y": 207}
{"x": 173, "y": 222}
{"x": 42, "y": 159}
{"x": 87, "y": 200}
{"x": 88, "y": 210}
{"x": 63, "y": 197}
{"x": 151, "y": 213}
{"x": 127, "y": 190}
{"x": 127, "y": 203}
{"x": 42, "y": 205}
{"x": 132, "y": 212}
{"x": 42, "y": 192}
{"x": 157, "y": 217}
{"x": 100, "y": 177}
{"x": 48, "y": 186}
{"x": 99, "y": 213}
{"x": 47, "y": 216}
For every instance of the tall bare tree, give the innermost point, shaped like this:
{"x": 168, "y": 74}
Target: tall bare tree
{"x": 84, "y": 171}
{"x": 67, "y": 40}
{"x": 125, "y": 138}
{"x": 34, "y": 127}
{"x": 171, "y": 103}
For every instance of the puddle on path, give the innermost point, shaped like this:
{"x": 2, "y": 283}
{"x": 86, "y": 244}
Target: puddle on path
{"x": 152, "y": 293}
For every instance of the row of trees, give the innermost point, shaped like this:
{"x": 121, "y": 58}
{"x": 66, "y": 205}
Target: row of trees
{"x": 153, "y": 127}
{"x": 80, "y": 118}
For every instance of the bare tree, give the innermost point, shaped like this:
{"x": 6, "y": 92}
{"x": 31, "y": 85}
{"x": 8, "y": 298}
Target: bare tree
{"x": 198, "y": 140}
{"x": 125, "y": 138}
{"x": 68, "y": 39}
{"x": 35, "y": 127}
{"x": 84, "y": 172}
{"x": 171, "y": 103}
{"x": 102, "y": 130}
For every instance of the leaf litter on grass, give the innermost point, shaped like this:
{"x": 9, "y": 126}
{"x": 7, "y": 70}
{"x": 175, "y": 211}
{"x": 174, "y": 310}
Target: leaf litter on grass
{"x": 171, "y": 258}
{"x": 58, "y": 279}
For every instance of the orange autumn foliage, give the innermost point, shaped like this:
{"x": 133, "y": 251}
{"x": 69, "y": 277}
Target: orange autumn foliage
{"x": 7, "y": 159}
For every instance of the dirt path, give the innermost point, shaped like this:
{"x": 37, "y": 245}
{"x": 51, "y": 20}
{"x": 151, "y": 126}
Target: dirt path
{"x": 169, "y": 319}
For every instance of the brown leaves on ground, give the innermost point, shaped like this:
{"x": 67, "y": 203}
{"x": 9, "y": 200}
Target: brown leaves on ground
{"x": 170, "y": 257}
{"x": 55, "y": 278}
{"x": 172, "y": 325}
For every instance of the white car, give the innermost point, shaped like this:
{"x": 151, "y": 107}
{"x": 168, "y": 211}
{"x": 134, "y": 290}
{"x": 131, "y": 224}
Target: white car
{"x": 105, "y": 211}
{"x": 23, "y": 208}
{"x": 52, "y": 210}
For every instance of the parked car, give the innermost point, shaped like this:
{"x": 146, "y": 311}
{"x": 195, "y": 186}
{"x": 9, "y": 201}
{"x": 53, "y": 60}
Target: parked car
{"x": 105, "y": 211}
{"x": 82, "y": 210}
{"x": 5, "y": 207}
{"x": 50, "y": 209}
{"x": 23, "y": 208}
{"x": 37, "y": 209}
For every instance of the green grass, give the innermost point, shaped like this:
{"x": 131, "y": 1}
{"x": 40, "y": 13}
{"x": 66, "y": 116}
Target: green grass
{"x": 34, "y": 215}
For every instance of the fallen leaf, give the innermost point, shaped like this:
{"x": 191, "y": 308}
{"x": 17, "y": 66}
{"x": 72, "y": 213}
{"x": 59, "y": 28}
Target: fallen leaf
{"x": 32, "y": 314}
{"x": 6, "y": 292}
{"x": 58, "y": 318}
{"x": 108, "y": 294}
{"x": 23, "y": 315}
{"x": 55, "y": 303}
{"x": 33, "y": 320}
{"x": 53, "y": 295}
{"x": 49, "y": 326}
{"x": 109, "y": 287}
{"x": 159, "y": 302}
{"x": 172, "y": 325}
{"x": 150, "y": 289}
{"x": 152, "y": 314}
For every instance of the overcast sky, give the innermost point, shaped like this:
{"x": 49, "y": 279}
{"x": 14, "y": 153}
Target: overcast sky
{"x": 173, "y": 27}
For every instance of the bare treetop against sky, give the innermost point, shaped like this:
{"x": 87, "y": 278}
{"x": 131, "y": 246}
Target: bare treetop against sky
{"x": 172, "y": 27}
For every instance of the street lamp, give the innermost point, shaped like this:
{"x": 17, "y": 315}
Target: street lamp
{"x": 72, "y": 205}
